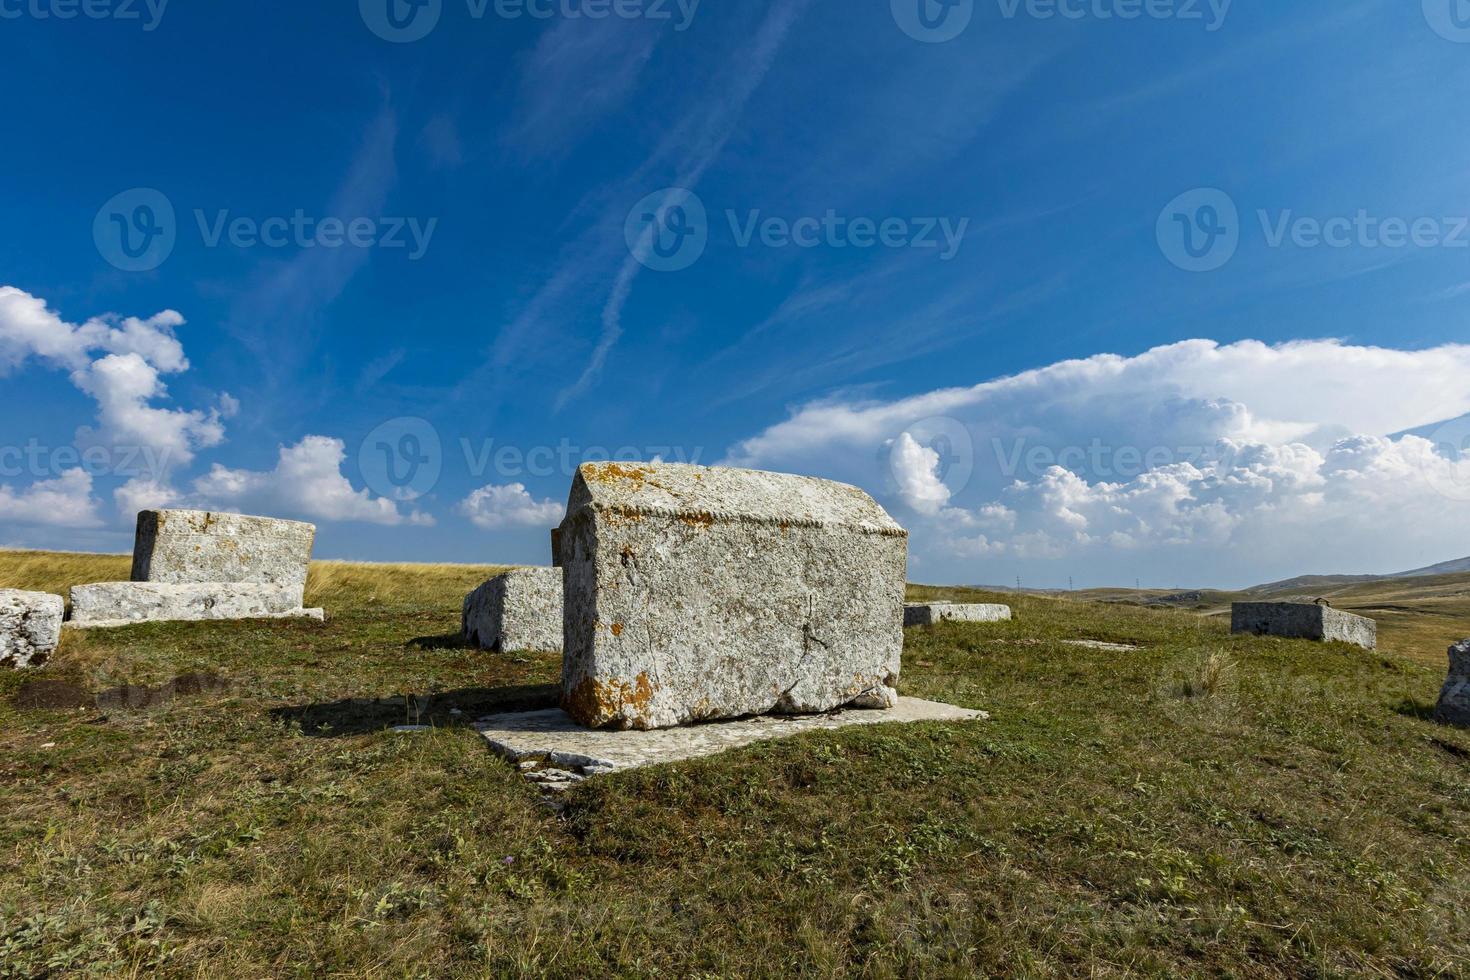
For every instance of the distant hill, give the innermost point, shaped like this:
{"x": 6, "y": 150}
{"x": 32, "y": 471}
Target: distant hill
{"x": 1443, "y": 568}
{"x": 1456, "y": 567}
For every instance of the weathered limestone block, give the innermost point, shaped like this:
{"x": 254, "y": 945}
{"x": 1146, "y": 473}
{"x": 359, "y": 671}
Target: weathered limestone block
{"x": 929, "y": 613}
{"x": 1454, "y": 701}
{"x": 1303, "y": 621}
{"x": 192, "y": 546}
{"x": 30, "y": 627}
{"x": 697, "y": 593}
{"x": 123, "y": 603}
{"x": 520, "y": 610}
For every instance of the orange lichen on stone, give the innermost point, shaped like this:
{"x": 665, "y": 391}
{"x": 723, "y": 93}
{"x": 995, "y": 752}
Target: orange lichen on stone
{"x": 703, "y": 519}
{"x": 597, "y": 704}
{"x": 607, "y": 472}
{"x": 617, "y": 629}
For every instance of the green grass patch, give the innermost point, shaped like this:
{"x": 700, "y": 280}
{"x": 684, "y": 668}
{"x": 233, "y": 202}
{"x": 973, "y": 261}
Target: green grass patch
{"x": 1203, "y": 805}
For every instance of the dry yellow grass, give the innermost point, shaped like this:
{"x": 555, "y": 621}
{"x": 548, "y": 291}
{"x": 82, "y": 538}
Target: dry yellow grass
{"x": 329, "y": 582}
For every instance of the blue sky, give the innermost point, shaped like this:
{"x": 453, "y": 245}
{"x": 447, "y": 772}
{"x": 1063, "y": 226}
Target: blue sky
{"x": 1108, "y": 290}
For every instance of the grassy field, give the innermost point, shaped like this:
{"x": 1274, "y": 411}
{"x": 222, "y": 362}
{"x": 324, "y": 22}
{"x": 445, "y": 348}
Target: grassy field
{"x": 228, "y": 800}
{"x": 1417, "y": 617}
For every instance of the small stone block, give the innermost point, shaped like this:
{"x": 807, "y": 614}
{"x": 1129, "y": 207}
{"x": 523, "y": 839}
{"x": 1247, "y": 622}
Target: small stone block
{"x": 518, "y": 611}
{"x": 929, "y": 613}
{"x": 1303, "y": 621}
{"x": 30, "y": 627}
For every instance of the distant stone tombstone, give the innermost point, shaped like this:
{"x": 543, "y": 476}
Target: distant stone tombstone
{"x": 30, "y": 627}
{"x": 697, "y": 593}
{"x": 176, "y": 547}
{"x": 930, "y": 613}
{"x": 1303, "y": 621}
{"x": 520, "y": 610}
{"x": 1454, "y": 700}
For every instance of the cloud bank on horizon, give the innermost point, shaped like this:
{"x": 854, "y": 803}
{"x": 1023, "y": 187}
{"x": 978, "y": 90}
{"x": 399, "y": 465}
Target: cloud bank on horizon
{"x": 1229, "y": 460}
{"x": 1213, "y": 463}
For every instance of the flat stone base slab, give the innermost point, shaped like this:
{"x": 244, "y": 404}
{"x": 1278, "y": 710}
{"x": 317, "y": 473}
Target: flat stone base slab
{"x": 108, "y": 605}
{"x": 315, "y": 615}
{"x": 556, "y": 752}
{"x": 929, "y": 613}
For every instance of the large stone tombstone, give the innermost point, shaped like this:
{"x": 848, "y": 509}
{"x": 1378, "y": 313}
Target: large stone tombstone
{"x": 179, "y": 547}
{"x": 696, "y": 593}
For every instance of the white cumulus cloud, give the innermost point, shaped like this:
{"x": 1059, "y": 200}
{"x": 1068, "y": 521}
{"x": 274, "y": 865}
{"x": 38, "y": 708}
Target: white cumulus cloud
{"x": 119, "y": 362}
{"x": 307, "y": 481}
{"x": 1215, "y": 463}
{"x": 66, "y": 501}
{"x": 496, "y": 508}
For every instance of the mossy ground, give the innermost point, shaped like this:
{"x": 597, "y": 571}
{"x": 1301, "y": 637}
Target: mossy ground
{"x": 1204, "y": 805}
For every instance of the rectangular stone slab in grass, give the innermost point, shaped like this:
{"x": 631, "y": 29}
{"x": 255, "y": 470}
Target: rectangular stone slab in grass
{"x": 697, "y": 593}
{"x": 551, "y": 742}
{"x": 192, "y": 546}
{"x": 929, "y": 613}
{"x": 1454, "y": 700}
{"x": 1303, "y": 621}
{"x": 30, "y": 627}
{"x": 110, "y": 604}
{"x": 520, "y": 610}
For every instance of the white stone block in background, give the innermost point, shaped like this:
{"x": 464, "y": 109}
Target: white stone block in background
{"x": 520, "y": 610}
{"x": 929, "y": 613}
{"x": 1303, "y": 621}
{"x": 110, "y": 604}
{"x": 30, "y": 627}
{"x": 191, "y": 546}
